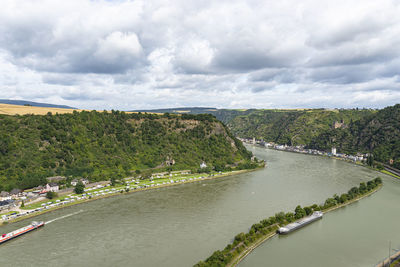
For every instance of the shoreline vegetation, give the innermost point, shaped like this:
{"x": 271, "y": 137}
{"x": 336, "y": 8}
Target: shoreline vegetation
{"x": 120, "y": 190}
{"x": 243, "y": 244}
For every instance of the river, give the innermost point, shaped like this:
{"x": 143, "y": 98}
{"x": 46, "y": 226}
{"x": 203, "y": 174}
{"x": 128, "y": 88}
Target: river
{"x": 180, "y": 225}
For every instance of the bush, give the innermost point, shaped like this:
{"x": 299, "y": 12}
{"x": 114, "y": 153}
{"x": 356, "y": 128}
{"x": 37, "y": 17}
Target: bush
{"x": 79, "y": 188}
{"x": 51, "y": 195}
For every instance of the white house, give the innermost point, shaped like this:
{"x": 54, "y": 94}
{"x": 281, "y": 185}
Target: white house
{"x": 52, "y": 187}
{"x": 75, "y": 181}
{"x": 203, "y": 165}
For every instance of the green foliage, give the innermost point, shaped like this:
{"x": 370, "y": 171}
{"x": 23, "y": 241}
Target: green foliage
{"x": 291, "y": 127}
{"x": 51, "y": 195}
{"x": 105, "y": 146}
{"x": 308, "y": 210}
{"x": 299, "y": 212}
{"x": 79, "y": 188}
{"x": 363, "y": 130}
{"x": 377, "y": 133}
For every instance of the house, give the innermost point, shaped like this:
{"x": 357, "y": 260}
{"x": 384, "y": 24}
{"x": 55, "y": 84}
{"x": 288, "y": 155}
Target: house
{"x": 15, "y": 193}
{"x": 83, "y": 180}
{"x": 52, "y": 187}
{"x": 203, "y": 165}
{"x": 4, "y": 196}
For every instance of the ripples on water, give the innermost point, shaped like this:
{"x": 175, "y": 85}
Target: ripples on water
{"x": 180, "y": 225}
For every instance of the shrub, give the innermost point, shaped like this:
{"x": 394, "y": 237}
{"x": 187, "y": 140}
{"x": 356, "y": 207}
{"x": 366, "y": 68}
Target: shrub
{"x": 51, "y": 195}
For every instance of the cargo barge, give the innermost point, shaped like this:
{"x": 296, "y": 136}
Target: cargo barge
{"x": 33, "y": 226}
{"x": 303, "y": 222}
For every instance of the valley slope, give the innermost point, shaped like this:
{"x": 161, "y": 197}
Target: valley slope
{"x": 102, "y": 145}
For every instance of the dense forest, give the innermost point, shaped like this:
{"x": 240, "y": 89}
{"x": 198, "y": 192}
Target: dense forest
{"x": 101, "y": 145}
{"x": 349, "y": 130}
{"x": 377, "y": 133}
{"x": 292, "y": 127}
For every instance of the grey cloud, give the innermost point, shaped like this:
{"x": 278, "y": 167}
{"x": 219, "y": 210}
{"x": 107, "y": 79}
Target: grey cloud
{"x": 105, "y": 53}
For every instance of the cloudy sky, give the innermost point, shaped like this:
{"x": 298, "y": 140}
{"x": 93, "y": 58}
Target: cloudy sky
{"x": 228, "y": 54}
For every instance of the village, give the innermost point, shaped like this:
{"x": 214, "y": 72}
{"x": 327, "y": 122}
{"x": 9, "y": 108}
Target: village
{"x": 301, "y": 149}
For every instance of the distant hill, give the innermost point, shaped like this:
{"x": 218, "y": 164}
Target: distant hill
{"x": 349, "y": 130}
{"x": 283, "y": 126}
{"x": 293, "y": 127}
{"x": 33, "y": 104}
{"x": 224, "y": 115}
{"x": 191, "y": 110}
{"x": 377, "y": 133}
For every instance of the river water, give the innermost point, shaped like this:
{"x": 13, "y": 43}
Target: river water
{"x": 180, "y": 225}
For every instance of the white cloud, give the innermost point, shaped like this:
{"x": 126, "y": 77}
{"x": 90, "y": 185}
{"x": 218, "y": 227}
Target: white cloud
{"x": 237, "y": 53}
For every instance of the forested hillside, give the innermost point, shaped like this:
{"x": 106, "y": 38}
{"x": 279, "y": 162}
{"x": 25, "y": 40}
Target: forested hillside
{"x": 103, "y": 145}
{"x": 377, "y": 133}
{"x": 224, "y": 115}
{"x": 292, "y": 127}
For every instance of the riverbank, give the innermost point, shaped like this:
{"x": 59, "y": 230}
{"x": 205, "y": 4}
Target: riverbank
{"x": 389, "y": 173}
{"x": 258, "y": 243}
{"x": 244, "y": 254}
{"x": 120, "y": 190}
{"x": 244, "y": 244}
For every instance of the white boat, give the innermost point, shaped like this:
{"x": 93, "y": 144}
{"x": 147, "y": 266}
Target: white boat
{"x": 300, "y": 223}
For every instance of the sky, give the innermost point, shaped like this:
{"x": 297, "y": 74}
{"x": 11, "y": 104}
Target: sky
{"x": 130, "y": 55}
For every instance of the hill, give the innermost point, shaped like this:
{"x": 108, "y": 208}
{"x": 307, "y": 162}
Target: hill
{"x": 101, "y": 145}
{"x": 283, "y": 126}
{"x": 33, "y": 104}
{"x": 293, "y": 127}
{"x": 377, "y": 133}
{"x": 349, "y": 130}
{"x": 224, "y": 115}
{"x": 8, "y": 109}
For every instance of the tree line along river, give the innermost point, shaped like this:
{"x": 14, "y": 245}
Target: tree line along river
{"x": 179, "y": 226}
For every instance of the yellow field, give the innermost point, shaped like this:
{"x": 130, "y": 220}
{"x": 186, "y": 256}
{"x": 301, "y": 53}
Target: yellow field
{"x": 21, "y": 110}
{"x": 7, "y": 109}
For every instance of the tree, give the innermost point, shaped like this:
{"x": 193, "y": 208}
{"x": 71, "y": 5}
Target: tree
{"x": 343, "y": 198}
{"x": 22, "y": 204}
{"x": 299, "y": 212}
{"x": 280, "y": 217}
{"x": 289, "y": 216}
{"x": 308, "y": 210}
{"x": 51, "y": 195}
{"x": 362, "y": 188}
{"x": 79, "y": 188}
{"x": 370, "y": 160}
{"x": 378, "y": 180}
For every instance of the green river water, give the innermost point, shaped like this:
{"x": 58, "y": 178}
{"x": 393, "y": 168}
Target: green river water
{"x": 180, "y": 225}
